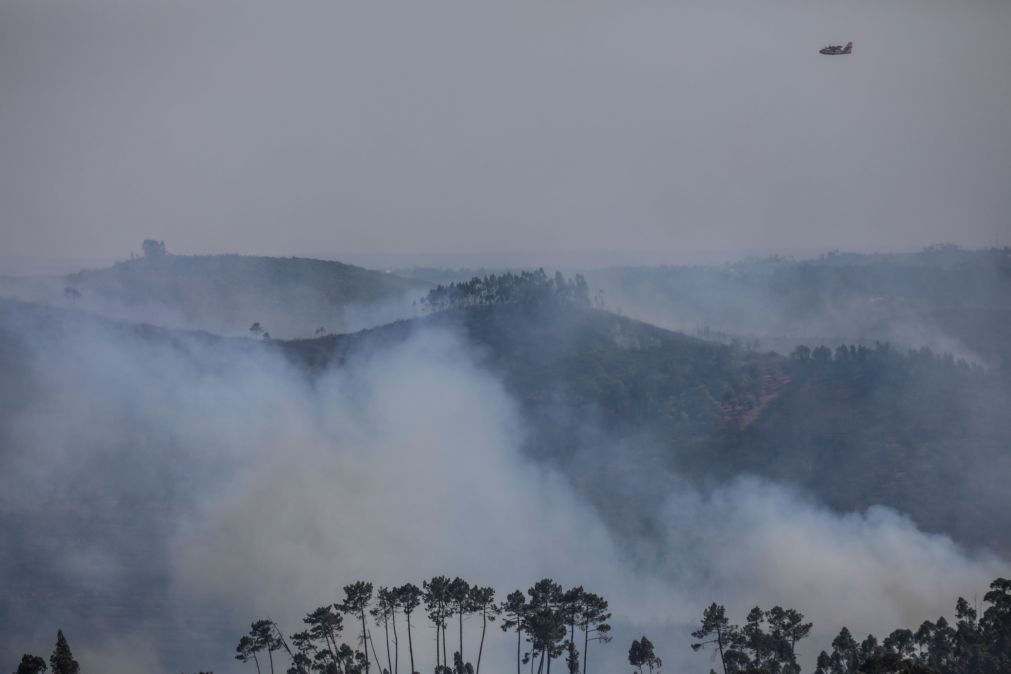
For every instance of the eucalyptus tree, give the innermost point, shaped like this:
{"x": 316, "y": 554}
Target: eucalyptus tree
{"x": 845, "y": 657}
{"x": 409, "y": 598}
{"x": 482, "y": 601}
{"x": 515, "y": 609}
{"x": 31, "y": 664}
{"x": 356, "y": 601}
{"x": 823, "y": 665}
{"x": 641, "y": 653}
{"x": 461, "y": 667}
{"x": 996, "y": 623}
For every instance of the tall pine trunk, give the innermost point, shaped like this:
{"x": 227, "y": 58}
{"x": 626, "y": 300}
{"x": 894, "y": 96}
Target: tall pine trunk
{"x": 480, "y": 648}
{"x": 333, "y": 651}
{"x": 719, "y": 642}
{"x": 389, "y": 661}
{"x": 410, "y": 643}
{"x": 365, "y": 642}
{"x": 375, "y": 656}
{"x": 445, "y": 653}
{"x": 586, "y": 643}
{"x": 519, "y": 634}
{"x": 396, "y": 646}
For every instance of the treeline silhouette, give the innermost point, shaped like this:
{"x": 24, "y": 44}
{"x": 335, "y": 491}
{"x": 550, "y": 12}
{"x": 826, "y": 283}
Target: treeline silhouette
{"x": 546, "y": 618}
{"x": 61, "y": 661}
{"x": 550, "y": 623}
{"x": 526, "y": 287}
{"x": 766, "y": 643}
{"x": 882, "y": 355}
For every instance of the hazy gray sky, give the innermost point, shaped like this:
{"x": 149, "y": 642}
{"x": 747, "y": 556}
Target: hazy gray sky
{"x": 558, "y": 126}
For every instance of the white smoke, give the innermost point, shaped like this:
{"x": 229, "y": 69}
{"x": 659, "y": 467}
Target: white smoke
{"x": 274, "y": 488}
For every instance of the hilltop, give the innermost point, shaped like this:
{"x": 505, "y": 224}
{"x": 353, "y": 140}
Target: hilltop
{"x": 228, "y": 293}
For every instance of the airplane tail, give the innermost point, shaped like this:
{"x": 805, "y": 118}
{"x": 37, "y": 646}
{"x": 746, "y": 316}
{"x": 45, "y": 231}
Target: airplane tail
{"x": 848, "y": 49}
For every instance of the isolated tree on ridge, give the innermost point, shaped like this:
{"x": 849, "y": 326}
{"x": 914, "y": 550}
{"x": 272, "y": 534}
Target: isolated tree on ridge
{"x": 62, "y": 660}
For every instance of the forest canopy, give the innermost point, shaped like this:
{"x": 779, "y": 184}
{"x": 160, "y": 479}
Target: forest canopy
{"x": 526, "y": 287}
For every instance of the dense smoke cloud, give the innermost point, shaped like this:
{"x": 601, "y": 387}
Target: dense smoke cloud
{"x": 221, "y": 484}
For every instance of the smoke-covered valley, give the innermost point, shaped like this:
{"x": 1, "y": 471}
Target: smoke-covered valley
{"x": 161, "y": 489}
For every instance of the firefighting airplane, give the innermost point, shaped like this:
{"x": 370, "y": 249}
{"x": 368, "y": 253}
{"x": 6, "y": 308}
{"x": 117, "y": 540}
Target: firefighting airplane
{"x": 837, "y": 50}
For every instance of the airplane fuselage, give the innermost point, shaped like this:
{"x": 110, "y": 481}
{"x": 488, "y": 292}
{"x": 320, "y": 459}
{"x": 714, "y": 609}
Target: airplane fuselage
{"x": 837, "y": 50}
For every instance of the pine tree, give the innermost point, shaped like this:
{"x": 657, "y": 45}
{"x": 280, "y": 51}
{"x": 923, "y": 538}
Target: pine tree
{"x": 436, "y": 604}
{"x": 408, "y": 598}
{"x": 716, "y": 631}
{"x": 593, "y": 622}
{"x": 482, "y": 601}
{"x": 356, "y": 602}
{"x": 515, "y": 609}
{"x": 383, "y": 612}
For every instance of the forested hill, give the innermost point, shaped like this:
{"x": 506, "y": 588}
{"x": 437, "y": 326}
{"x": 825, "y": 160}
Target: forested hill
{"x": 588, "y": 367}
{"x": 288, "y": 297}
{"x": 920, "y": 432}
{"x": 923, "y": 433}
